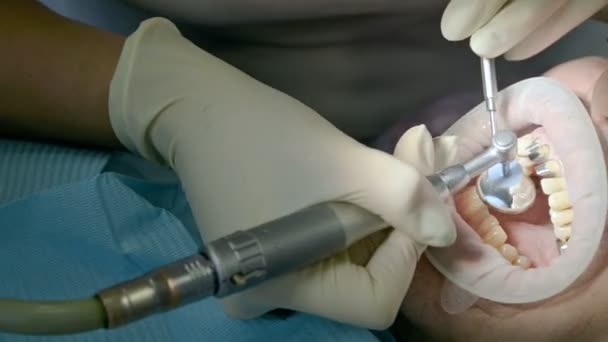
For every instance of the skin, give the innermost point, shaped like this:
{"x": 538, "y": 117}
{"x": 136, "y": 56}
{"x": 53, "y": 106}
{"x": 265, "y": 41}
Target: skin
{"x": 64, "y": 95}
{"x": 579, "y": 313}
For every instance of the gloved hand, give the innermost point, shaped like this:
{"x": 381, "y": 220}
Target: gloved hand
{"x": 246, "y": 154}
{"x": 519, "y": 29}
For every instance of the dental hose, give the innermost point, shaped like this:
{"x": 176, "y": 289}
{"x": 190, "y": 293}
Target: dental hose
{"x": 51, "y": 317}
{"x": 231, "y": 264}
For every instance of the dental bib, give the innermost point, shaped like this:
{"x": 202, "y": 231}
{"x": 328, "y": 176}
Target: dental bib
{"x": 515, "y": 259}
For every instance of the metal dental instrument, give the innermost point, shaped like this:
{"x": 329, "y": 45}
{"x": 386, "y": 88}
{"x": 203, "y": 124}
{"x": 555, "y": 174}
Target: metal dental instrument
{"x": 503, "y": 186}
{"x": 231, "y": 264}
{"x": 490, "y": 88}
{"x": 488, "y": 81}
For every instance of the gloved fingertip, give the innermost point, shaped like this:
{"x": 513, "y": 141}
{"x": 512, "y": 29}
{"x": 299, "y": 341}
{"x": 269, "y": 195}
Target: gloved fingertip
{"x": 416, "y": 130}
{"x": 417, "y": 135}
{"x": 425, "y": 218}
{"x": 452, "y": 31}
{"x": 514, "y": 57}
{"x": 158, "y": 26}
{"x": 408, "y": 137}
{"x": 416, "y": 148}
{"x": 446, "y": 151}
{"x": 436, "y": 226}
{"x": 456, "y": 22}
{"x": 446, "y": 140}
{"x": 436, "y": 230}
{"x": 486, "y": 47}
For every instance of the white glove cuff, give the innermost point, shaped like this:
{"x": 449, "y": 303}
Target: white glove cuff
{"x": 131, "y": 118}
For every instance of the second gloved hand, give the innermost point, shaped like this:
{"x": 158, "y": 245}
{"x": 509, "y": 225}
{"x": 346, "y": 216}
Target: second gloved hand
{"x": 247, "y": 154}
{"x": 518, "y": 28}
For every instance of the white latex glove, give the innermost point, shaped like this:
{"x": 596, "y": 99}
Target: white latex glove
{"x": 247, "y": 154}
{"x": 519, "y": 29}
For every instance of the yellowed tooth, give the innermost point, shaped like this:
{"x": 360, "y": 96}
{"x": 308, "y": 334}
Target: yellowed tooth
{"x": 551, "y": 185}
{"x": 561, "y": 217}
{"x": 526, "y": 163}
{"x": 523, "y": 261}
{"x": 509, "y": 252}
{"x": 523, "y": 145}
{"x": 496, "y": 237}
{"x": 522, "y": 151}
{"x": 563, "y": 232}
{"x": 539, "y": 153}
{"x": 550, "y": 168}
{"x": 471, "y": 208}
{"x": 473, "y": 211}
{"x": 469, "y": 194}
{"x": 487, "y": 224}
{"x": 559, "y": 200}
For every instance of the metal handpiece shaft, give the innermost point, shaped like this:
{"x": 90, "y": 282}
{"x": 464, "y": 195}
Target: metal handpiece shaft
{"x": 488, "y": 80}
{"x": 490, "y": 88}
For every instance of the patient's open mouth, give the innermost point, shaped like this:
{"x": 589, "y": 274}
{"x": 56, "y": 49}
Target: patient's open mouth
{"x": 524, "y": 239}
{"x": 515, "y": 258}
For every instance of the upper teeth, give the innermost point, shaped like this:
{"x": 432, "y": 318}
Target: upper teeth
{"x": 550, "y": 168}
{"x": 534, "y": 156}
{"x": 559, "y": 200}
{"x": 539, "y": 153}
{"x": 552, "y": 185}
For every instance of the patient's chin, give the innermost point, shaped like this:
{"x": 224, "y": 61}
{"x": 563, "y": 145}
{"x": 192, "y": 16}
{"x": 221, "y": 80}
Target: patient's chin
{"x": 527, "y": 288}
{"x": 576, "y": 313}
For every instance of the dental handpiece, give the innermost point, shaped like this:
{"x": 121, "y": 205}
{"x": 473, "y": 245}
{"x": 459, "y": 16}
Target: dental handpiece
{"x": 244, "y": 259}
{"x": 490, "y": 88}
